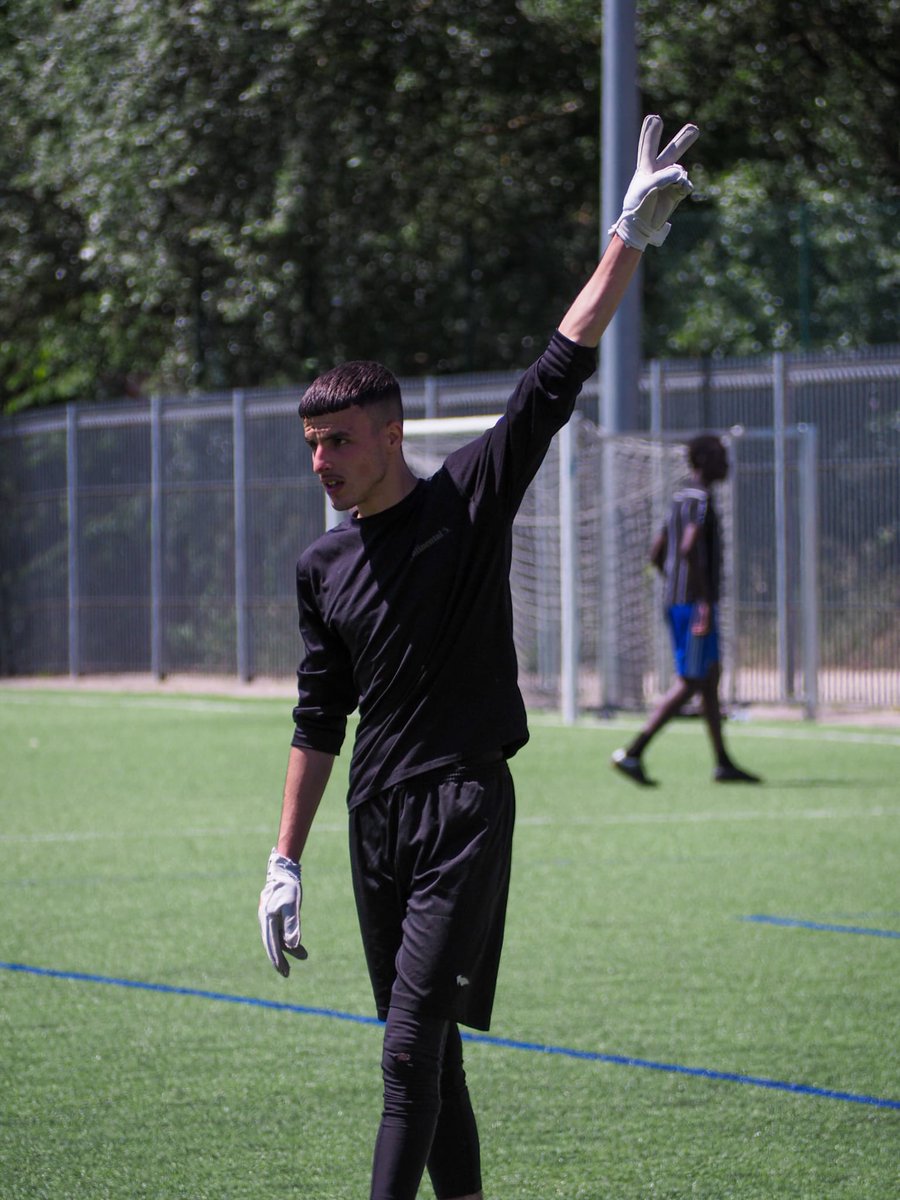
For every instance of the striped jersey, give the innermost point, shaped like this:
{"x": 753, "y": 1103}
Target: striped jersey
{"x": 698, "y": 578}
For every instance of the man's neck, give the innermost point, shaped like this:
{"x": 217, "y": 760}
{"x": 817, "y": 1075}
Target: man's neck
{"x": 397, "y": 489}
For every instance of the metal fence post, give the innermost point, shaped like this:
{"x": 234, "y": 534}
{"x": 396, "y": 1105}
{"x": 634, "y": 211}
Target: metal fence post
{"x": 241, "y": 610}
{"x": 732, "y": 555}
{"x": 157, "y": 664}
{"x": 662, "y": 656}
{"x": 568, "y": 562}
{"x": 610, "y": 697}
{"x": 431, "y": 396}
{"x": 809, "y": 551}
{"x": 779, "y": 405}
{"x": 73, "y": 539}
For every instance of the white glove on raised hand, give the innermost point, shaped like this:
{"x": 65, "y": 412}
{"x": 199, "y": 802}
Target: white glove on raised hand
{"x": 658, "y": 186}
{"x": 279, "y": 912}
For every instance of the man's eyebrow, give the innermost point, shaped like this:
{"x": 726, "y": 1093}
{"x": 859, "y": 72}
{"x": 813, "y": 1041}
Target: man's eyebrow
{"x": 314, "y": 435}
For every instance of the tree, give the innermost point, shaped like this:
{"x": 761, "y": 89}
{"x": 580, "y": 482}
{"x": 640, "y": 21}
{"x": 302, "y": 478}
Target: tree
{"x": 793, "y": 242}
{"x": 199, "y": 195}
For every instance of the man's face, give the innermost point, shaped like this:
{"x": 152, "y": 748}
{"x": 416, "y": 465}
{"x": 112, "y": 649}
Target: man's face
{"x": 352, "y": 454}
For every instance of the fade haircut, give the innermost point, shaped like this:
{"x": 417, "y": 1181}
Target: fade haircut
{"x": 701, "y": 449}
{"x": 362, "y": 383}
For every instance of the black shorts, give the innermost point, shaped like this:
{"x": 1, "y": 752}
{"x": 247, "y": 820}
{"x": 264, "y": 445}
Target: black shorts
{"x": 431, "y": 863}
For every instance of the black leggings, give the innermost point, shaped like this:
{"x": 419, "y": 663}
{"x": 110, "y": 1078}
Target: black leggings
{"x": 427, "y": 1118}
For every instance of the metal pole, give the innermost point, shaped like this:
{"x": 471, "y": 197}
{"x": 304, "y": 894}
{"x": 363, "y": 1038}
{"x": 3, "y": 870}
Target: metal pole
{"x": 779, "y": 381}
{"x": 241, "y": 608}
{"x": 610, "y": 693}
{"x": 546, "y": 515}
{"x": 620, "y": 349}
{"x": 157, "y": 665}
{"x": 730, "y": 603}
{"x": 73, "y": 538}
{"x": 431, "y": 396}
{"x": 809, "y": 582}
{"x": 568, "y": 563}
{"x": 662, "y": 656}
{"x": 620, "y": 352}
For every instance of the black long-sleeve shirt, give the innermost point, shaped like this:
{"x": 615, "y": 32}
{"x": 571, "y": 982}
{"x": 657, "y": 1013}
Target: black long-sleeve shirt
{"x": 407, "y": 614}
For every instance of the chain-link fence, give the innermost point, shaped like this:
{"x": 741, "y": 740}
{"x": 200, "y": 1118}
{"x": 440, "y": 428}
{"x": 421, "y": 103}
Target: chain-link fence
{"x": 161, "y": 536}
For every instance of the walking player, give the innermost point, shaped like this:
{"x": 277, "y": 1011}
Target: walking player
{"x": 687, "y": 552}
{"x": 405, "y": 613}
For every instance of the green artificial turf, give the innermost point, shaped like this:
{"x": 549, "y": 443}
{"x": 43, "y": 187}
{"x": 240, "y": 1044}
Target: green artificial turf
{"x": 640, "y": 1014}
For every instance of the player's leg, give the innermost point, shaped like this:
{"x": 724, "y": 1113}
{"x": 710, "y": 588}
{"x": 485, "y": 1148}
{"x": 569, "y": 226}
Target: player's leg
{"x": 705, "y": 655}
{"x": 712, "y": 712}
{"x": 670, "y": 706}
{"x": 413, "y": 1047}
{"x": 411, "y": 1066}
{"x": 427, "y": 1115}
{"x": 726, "y": 771}
{"x": 454, "y": 1163}
{"x": 431, "y": 895}
{"x": 627, "y": 760}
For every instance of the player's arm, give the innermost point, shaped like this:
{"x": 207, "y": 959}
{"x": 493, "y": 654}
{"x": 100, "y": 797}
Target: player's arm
{"x": 658, "y": 550}
{"x": 690, "y": 551}
{"x": 308, "y": 772}
{"x": 659, "y": 185}
{"x": 596, "y": 303}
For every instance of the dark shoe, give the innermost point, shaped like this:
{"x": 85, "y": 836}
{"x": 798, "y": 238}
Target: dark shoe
{"x": 630, "y": 765}
{"x": 729, "y": 773}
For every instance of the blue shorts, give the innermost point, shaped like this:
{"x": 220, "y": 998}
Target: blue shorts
{"x": 695, "y": 655}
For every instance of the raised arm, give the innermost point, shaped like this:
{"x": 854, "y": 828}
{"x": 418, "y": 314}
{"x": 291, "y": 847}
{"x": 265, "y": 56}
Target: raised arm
{"x": 658, "y": 186}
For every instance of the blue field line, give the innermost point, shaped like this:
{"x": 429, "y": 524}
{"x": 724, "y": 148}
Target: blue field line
{"x": 171, "y": 990}
{"x": 619, "y": 1060}
{"x": 796, "y": 923}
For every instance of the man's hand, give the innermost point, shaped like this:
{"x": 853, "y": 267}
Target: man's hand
{"x": 701, "y": 619}
{"x": 279, "y": 912}
{"x": 658, "y": 186}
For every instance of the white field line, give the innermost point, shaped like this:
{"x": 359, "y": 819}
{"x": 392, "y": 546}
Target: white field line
{"x": 875, "y": 813}
{"x": 725, "y": 817}
{"x": 738, "y": 728}
{"x": 780, "y": 733}
{"x": 123, "y": 700}
{"x": 112, "y": 835}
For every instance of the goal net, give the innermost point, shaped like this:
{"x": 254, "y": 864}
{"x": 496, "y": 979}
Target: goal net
{"x": 583, "y": 592}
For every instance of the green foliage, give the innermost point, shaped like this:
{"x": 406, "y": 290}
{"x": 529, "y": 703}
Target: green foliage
{"x": 793, "y": 242}
{"x": 205, "y": 195}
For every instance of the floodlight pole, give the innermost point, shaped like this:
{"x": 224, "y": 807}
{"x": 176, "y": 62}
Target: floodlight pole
{"x": 620, "y": 349}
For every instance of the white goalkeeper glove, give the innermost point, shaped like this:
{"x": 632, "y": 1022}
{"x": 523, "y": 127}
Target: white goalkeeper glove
{"x": 279, "y": 912}
{"x": 658, "y": 186}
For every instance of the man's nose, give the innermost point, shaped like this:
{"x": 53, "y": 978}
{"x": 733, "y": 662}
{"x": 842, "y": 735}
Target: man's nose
{"x": 320, "y": 459}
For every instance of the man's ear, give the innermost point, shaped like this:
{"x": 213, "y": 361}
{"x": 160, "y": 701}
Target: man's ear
{"x": 394, "y": 433}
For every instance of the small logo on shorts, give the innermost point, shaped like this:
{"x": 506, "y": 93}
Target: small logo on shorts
{"x": 461, "y": 981}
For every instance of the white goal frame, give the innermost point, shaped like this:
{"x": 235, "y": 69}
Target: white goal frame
{"x": 587, "y": 609}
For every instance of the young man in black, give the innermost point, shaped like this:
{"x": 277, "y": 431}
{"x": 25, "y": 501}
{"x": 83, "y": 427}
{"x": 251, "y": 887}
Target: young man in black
{"x": 405, "y": 613}
{"x": 687, "y": 551}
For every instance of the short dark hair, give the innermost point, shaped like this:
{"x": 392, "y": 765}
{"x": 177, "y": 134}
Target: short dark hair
{"x": 702, "y": 448}
{"x": 363, "y": 383}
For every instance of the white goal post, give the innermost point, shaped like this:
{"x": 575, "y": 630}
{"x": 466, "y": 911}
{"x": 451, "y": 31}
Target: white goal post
{"x": 587, "y": 626}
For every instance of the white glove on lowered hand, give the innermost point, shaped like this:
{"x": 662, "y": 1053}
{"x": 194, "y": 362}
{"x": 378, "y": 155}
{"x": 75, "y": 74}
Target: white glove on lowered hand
{"x": 658, "y": 186}
{"x": 279, "y": 912}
